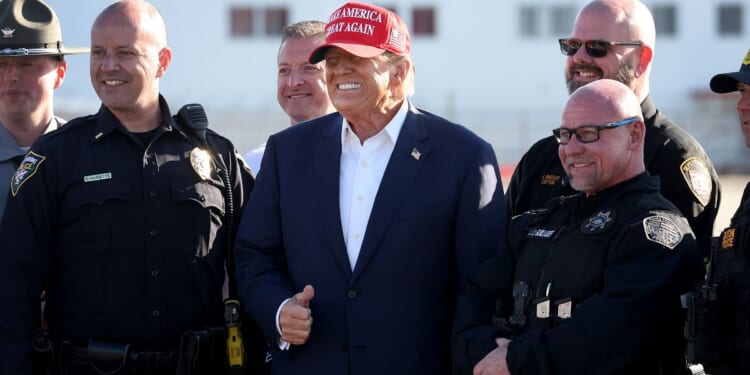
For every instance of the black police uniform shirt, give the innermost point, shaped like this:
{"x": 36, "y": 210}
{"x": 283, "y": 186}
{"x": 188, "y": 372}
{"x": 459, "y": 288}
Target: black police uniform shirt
{"x": 688, "y": 178}
{"x": 127, "y": 239}
{"x": 604, "y": 278}
{"x": 723, "y": 320}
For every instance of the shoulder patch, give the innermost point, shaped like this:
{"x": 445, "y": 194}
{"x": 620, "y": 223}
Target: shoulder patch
{"x": 28, "y": 168}
{"x": 598, "y": 223}
{"x": 662, "y": 230}
{"x": 698, "y": 178}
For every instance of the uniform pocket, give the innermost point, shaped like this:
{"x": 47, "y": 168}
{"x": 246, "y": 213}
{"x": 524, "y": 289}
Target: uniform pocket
{"x": 201, "y": 208}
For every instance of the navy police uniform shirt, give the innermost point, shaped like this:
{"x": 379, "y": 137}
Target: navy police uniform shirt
{"x": 688, "y": 178}
{"x": 604, "y": 276}
{"x": 127, "y": 238}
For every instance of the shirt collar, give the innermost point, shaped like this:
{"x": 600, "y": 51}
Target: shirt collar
{"x": 392, "y": 129}
{"x": 9, "y": 148}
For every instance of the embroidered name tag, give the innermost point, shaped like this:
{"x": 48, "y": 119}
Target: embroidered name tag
{"x": 97, "y": 177}
{"x": 540, "y": 233}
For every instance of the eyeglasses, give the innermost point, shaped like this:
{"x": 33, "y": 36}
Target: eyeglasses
{"x": 588, "y": 133}
{"x": 595, "y": 48}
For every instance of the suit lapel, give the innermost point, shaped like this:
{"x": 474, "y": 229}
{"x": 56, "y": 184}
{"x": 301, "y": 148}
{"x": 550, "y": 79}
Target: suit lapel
{"x": 327, "y": 165}
{"x": 410, "y": 152}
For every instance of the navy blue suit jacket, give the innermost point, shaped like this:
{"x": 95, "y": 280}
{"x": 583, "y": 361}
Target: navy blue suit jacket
{"x": 435, "y": 218}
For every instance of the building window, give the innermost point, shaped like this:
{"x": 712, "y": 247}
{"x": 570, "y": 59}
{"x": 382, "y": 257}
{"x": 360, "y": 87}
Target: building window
{"x": 561, "y": 20}
{"x": 665, "y": 18}
{"x": 276, "y": 19}
{"x": 530, "y": 23}
{"x": 730, "y": 19}
{"x": 424, "y": 21}
{"x": 241, "y": 21}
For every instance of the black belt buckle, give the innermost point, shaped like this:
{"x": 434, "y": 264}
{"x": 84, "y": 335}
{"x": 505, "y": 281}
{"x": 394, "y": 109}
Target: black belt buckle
{"x": 107, "y": 357}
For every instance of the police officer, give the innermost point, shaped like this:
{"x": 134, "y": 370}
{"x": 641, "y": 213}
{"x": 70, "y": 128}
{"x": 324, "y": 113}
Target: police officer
{"x": 32, "y": 67}
{"x": 615, "y": 39}
{"x": 122, "y": 217}
{"x": 591, "y": 283}
{"x": 723, "y": 326}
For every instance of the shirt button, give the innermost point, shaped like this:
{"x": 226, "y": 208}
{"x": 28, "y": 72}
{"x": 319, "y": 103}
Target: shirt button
{"x": 155, "y": 313}
{"x": 356, "y": 236}
{"x": 365, "y": 164}
{"x": 352, "y": 294}
{"x": 359, "y": 198}
{"x": 152, "y": 193}
{"x": 152, "y": 232}
{"x": 154, "y": 272}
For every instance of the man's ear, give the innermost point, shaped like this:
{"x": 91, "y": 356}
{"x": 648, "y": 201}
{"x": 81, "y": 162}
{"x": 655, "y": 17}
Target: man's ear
{"x": 165, "y": 57}
{"x": 644, "y": 60}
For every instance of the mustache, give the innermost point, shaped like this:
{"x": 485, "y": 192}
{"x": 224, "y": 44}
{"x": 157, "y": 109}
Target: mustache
{"x": 590, "y": 67}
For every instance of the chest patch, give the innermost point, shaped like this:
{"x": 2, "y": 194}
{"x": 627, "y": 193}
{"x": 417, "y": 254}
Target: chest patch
{"x": 662, "y": 230}
{"x": 550, "y": 179}
{"x": 598, "y": 223}
{"x": 25, "y": 171}
{"x": 698, "y": 178}
{"x": 201, "y": 163}
{"x": 727, "y": 239}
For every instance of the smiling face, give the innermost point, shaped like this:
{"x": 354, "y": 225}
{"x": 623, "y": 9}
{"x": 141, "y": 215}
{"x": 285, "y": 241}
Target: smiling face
{"x": 128, "y": 55}
{"x": 356, "y": 84}
{"x": 617, "y": 154}
{"x": 301, "y": 86}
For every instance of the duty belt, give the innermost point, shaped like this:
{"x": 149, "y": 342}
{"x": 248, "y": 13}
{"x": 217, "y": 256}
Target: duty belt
{"x": 111, "y": 358}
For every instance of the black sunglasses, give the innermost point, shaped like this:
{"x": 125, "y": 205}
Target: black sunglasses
{"x": 595, "y": 48}
{"x": 588, "y": 133}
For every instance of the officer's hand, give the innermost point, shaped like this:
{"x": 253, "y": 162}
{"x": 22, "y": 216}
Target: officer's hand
{"x": 494, "y": 363}
{"x": 295, "y": 318}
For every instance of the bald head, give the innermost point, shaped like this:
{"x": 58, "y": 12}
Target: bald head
{"x": 617, "y": 155}
{"x": 606, "y": 98}
{"x": 129, "y": 54}
{"x": 627, "y": 18}
{"x": 615, "y": 21}
{"x": 139, "y": 15}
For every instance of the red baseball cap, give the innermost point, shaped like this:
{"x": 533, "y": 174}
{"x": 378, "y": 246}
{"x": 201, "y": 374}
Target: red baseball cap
{"x": 364, "y": 30}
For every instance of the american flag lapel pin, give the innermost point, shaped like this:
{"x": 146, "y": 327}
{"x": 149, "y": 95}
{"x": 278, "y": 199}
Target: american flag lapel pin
{"x": 416, "y": 154}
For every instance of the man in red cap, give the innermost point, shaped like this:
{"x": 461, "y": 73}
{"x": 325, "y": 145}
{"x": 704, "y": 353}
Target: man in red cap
{"x": 365, "y": 219}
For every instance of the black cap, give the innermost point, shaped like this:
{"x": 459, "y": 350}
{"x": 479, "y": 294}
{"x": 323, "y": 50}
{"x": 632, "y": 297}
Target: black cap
{"x": 31, "y": 28}
{"x": 727, "y": 82}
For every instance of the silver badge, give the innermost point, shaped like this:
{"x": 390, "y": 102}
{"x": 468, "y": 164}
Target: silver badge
{"x": 201, "y": 162}
{"x": 7, "y": 32}
{"x": 598, "y": 223}
{"x": 662, "y": 230}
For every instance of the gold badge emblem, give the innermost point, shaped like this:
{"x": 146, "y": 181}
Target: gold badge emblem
{"x": 550, "y": 179}
{"x": 746, "y": 60}
{"x": 201, "y": 162}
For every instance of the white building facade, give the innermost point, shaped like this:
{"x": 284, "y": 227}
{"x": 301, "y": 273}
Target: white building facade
{"x": 493, "y": 66}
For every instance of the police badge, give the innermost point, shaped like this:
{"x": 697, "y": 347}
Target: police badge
{"x": 598, "y": 223}
{"x": 200, "y": 160}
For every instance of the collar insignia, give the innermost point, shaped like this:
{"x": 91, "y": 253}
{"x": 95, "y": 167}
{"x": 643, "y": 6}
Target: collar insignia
{"x": 201, "y": 163}
{"x": 598, "y": 223}
{"x": 7, "y": 32}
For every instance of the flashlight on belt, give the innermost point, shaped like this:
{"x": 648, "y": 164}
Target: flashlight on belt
{"x": 235, "y": 349}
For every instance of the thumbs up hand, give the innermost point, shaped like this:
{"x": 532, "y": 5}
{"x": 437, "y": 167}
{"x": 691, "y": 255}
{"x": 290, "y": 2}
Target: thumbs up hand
{"x": 295, "y": 318}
